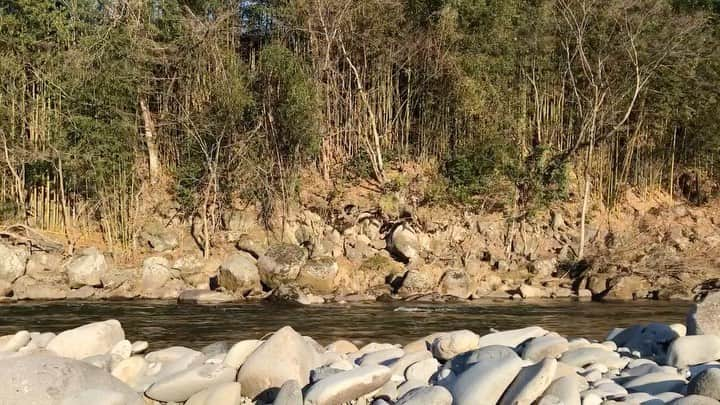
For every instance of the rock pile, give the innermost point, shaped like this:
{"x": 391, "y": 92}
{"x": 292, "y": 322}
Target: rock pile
{"x": 95, "y": 365}
{"x": 355, "y": 251}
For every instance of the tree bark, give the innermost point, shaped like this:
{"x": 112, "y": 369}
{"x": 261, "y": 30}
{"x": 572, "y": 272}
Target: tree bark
{"x": 153, "y": 156}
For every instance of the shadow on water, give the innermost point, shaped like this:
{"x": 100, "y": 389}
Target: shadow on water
{"x": 165, "y": 323}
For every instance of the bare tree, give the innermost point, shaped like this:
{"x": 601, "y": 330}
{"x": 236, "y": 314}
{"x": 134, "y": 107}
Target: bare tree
{"x": 605, "y": 95}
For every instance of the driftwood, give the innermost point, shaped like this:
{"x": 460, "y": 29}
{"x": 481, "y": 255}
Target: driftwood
{"x": 25, "y": 235}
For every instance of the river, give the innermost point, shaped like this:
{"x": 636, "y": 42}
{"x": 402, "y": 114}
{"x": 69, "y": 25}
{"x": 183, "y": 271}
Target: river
{"x": 166, "y": 323}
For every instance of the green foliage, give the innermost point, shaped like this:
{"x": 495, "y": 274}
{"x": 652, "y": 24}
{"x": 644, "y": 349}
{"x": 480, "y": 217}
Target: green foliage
{"x": 480, "y": 170}
{"x": 542, "y": 180}
{"x": 245, "y": 93}
{"x": 289, "y": 94}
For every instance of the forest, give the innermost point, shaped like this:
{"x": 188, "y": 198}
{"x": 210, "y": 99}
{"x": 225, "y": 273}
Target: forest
{"x": 103, "y": 102}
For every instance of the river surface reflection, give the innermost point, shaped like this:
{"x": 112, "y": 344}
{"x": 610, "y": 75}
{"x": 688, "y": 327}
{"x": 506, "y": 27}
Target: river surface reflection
{"x": 166, "y": 323}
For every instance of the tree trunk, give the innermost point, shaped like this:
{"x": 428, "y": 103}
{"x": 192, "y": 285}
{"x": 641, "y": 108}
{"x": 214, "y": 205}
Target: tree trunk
{"x": 583, "y": 215}
{"x": 153, "y": 157}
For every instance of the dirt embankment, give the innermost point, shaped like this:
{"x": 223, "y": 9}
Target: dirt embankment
{"x": 365, "y": 242}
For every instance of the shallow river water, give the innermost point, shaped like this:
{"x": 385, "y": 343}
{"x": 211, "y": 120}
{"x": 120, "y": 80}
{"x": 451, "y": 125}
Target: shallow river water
{"x": 166, "y": 323}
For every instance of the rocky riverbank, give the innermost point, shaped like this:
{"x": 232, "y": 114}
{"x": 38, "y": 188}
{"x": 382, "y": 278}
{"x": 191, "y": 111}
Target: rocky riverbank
{"x": 644, "y": 364}
{"x": 354, "y": 251}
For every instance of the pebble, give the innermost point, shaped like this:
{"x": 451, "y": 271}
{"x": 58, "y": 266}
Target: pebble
{"x": 139, "y": 346}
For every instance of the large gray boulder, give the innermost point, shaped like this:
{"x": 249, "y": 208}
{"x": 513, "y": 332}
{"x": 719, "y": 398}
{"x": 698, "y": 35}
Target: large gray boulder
{"x": 417, "y": 281}
{"x": 318, "y": 275}
{"x": 87, "y": 268}
{"x": 281, "y": 264}
{"x": 455, "y": 283}
{"x": 704, "y": 317}
{"x": 27, "y": 288}
{"x": 87, "y": 340}
{"x": 156, "y": 273}
{"x": 46, "y": 268}
{"x": 156, "y": 237}
{"x": 12, "y": 263}
{"x": 286, "y": 355}
{"x": 239, "y": 274}
{"x": 691, "y": 350}
{"x": 346, "y": 386}
{"x": 49, "y": 380}
{"x": 486, "y": 380}
{"x": 648, "y": 340}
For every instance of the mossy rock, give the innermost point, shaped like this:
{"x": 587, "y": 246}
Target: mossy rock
{"x": 281, "y": 264}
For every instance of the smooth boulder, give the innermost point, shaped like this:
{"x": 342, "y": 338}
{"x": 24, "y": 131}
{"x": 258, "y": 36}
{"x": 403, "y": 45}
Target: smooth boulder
{"x": 511, "y": 338}
{"x": 239, "y": 274}
{"x": 12, "y": 263}
{"x": 347, "y": 385}
{"x": 281, "y": 264}
{"x": 87, "y": 268}
{"x": 181, "y": 386}
{"x": 530, "y": 383}
{"x": 494, "y": 368}
{"x": 541, "y": 347}
{"x": 286, "y": 355}
{"x": 88, "y": 340}
{"x": 50, "y": 380}
{"x": 565, "y": 389}
{"x": 239, "y": 352}
{"x": 691, "y": 350}
{"x": 451, "y": 344}
{"x": 156, "y": 273}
